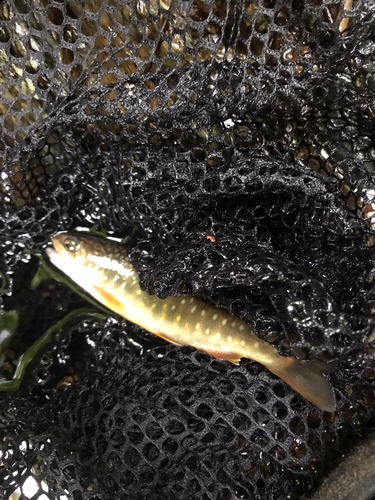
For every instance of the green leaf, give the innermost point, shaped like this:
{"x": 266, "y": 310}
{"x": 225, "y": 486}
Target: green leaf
{"x": 8, "y": 325}
{"x": 8, "y": 321}
{"x": 43, "y": 273}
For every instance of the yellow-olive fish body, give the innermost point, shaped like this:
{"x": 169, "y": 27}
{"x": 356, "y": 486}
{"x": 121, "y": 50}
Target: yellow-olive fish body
{"x": 102, "y": 268}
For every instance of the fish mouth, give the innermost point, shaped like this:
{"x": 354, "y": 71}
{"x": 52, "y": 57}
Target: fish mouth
{"x": 50, "y": 252}
{"x": 53, "y": 256}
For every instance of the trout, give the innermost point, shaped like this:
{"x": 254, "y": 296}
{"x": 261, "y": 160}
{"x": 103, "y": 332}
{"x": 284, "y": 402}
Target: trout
{"x": 102, "y": 268}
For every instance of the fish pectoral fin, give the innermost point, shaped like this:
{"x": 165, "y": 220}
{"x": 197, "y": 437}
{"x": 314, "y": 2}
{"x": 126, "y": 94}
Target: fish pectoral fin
{"x": 226, "y": 356}
{"x": 109, "y": 300}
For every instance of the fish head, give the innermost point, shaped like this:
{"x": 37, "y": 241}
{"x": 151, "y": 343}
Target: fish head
{"x": 79, "y": 256}
{"x": 97, "y": 265}
{"x": 88, "y": 260}
{"x": 71, "y": 247}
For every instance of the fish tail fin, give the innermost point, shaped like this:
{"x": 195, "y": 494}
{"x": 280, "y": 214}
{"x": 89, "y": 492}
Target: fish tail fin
{"x": 306, "y": 377}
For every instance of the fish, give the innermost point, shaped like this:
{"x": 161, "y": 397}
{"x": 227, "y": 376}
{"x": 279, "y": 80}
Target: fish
{"x": 101, "y": 267}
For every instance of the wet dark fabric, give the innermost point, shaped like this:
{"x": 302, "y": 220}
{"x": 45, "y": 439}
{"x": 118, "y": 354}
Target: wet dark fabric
{"x": 233, "y": 145}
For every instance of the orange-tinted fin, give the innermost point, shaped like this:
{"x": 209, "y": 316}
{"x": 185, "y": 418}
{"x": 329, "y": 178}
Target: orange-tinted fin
{"x": 227, "y": 356}
{"x": 164, "y": 337}
{"x": 306, "y": 377}
{"x": 109, "y": 300}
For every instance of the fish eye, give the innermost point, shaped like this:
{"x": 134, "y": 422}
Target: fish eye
{"x": 71, "y": 244}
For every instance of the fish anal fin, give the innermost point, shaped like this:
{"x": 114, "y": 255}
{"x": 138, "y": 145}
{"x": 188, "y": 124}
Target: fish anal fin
{"x": 226, "y": 356}
{"x": 109, "y": 300}
{"x": 165, "y": 337}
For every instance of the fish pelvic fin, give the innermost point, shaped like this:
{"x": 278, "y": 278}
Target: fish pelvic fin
{"x": 306, "y": 377}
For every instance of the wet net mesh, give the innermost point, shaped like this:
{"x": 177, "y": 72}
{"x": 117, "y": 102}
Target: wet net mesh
{"x": 233, "y": 143}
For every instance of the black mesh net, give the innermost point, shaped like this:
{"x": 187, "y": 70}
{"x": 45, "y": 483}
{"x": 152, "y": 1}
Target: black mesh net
{"x": 233, "y": 143}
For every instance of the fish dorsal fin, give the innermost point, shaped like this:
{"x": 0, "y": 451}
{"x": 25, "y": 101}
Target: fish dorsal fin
{"x": 109, "y": 300}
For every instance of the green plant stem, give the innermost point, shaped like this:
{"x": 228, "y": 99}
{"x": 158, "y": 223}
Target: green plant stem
{"x": 14, "y": 384}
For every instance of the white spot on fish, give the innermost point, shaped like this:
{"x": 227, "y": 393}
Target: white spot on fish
{"x": 229, "y": 338}
{"x": 183, "y": 301}
{"x": 178, "y": 318}
{"x": 215, "y": 316}
{"x": 243, "y": 342}
{"x": 153, "y": 305}
{"x": 139, "y": 292}
{"x": 173, "y": 307}
{"x": 197, "y": 326}
{"x": 203, "y": 312}
{"x": 256, "y": 345}
{"x": 207, "y": 331}
{"x": 218, "y": 335}
{"x": 224, "y": 322}
{"x": 191, "y": 300}
{"x": 241, "y": 327}
{"x": 233, "y": 324}
{"x": 165, "y": 307}
{"x": 193, "y": 309}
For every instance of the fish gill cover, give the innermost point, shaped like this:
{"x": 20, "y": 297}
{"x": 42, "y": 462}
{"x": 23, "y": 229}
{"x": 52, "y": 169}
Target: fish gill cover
{"x": 233, "y": 143}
